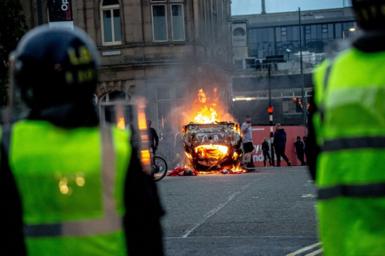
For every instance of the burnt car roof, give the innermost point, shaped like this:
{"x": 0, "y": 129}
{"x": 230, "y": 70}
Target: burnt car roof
{"x": 192, "y": 126}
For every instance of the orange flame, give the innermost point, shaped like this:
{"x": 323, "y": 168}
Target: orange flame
{"x": 212, "y": 151}
{"x": 207, "y": 114}
{"x": 237, "y": 169}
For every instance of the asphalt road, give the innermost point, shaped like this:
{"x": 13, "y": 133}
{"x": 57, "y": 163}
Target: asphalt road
{"x": 266, "y": 212}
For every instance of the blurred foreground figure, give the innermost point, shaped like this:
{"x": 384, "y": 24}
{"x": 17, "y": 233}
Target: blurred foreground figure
{"x": 349, "y": 128}
{"x": 69, "y": 186}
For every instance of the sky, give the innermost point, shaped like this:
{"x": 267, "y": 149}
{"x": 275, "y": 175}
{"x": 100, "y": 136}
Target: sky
{"x": 240, "y": 7}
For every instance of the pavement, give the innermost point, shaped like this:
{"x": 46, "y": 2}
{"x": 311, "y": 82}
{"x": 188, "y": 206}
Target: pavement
{"x": 269, "y": 211}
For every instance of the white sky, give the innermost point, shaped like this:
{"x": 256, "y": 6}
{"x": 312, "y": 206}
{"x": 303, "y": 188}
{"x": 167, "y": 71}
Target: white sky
{"x": 254, "y": 6}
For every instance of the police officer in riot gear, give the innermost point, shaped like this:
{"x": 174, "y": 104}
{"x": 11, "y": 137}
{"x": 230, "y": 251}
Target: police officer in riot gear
{"x": 347, "y": 132}
{"x": 69, "y": 186}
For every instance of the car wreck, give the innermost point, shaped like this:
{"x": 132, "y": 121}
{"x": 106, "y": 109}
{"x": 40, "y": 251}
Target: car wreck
{"x": 213, "y": 146}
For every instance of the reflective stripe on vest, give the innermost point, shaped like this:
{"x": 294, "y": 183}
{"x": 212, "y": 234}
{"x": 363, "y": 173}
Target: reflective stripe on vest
{"x": 353, "y": 143}
{"x": 111, "y": 221}
{"x": 361, "y": 191}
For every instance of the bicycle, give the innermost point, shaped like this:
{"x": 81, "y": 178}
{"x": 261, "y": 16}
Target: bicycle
{"x": 159, "y": 168}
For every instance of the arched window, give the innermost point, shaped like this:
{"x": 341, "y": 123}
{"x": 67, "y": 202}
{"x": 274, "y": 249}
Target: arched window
{"x": 111, "y": 22}
{"x": 239, "y": 32}
{"x": 115, "y": 108}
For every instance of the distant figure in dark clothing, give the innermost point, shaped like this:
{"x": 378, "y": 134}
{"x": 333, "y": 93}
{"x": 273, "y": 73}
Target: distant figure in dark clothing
{"x": 272, "y": 152}
{"x": 300, "y": 150}
{"x": 306, "y": 148}
{"x": 266, "y": 152}
{"x": 280, "y": 144}
{"x": 154, "y": 139}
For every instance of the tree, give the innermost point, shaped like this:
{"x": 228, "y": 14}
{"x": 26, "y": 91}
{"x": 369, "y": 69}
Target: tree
{"x": 12, "y": 28}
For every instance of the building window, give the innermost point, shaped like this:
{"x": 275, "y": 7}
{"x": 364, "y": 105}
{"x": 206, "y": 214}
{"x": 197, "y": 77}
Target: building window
{"x": 288, "y": 107}
{"x": 159, "y": 23}
{"x": 307, "y": 33}
{"x": 171, "y": 12}
{"x": 283, "y": 34}
{"x": 325, "y": 31}
{"x": 111, "y": 22}
{"x": 177, "y": 22}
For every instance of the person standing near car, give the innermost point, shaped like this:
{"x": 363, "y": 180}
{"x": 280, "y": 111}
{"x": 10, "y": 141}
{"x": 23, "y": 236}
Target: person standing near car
{"x": 76, "y": 188}
{"x": 280, "y": 144}
{"x": 247, "y": 141}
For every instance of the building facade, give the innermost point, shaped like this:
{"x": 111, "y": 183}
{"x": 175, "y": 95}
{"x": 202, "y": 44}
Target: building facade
{"x": 164, "y": 50}
{"x": 274, "y": 55}
{"x": 156, "y": 48}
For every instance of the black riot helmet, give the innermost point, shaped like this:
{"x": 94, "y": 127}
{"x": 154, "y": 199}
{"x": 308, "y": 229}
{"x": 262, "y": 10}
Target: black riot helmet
{"x": 54, "y": 67}
{"x": 370, "y": 14}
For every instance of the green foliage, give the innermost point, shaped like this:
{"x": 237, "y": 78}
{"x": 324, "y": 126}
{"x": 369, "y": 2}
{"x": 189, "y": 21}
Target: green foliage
{"x": 12, "y": 28}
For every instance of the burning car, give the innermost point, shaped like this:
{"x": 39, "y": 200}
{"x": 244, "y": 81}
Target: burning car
{"x": 212, "y": 146}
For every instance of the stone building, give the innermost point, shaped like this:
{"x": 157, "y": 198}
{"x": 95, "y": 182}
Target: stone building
{"x": 162, "y": 49}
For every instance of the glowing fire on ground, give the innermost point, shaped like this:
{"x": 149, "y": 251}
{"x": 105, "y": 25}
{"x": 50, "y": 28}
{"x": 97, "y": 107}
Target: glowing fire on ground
{"x": 238, "y": 169}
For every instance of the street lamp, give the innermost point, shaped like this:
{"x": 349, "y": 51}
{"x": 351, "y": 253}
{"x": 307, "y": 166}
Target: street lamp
{"x": 269, "y": 61}
{"x": 39, "y": 10}
{"x": 288, "y": 51}
{"x": 348, "y": 32}
{"x": 301, "y": 62}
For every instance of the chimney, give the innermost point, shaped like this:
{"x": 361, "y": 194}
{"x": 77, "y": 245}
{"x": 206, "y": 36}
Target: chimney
{"x": 263, "y": 7}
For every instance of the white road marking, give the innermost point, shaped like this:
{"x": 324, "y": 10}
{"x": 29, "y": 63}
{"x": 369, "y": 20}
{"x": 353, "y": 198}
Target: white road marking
{"x": 304, "y": 249}
{"x": 308, "y": 196}
{"x": 242, "y": 237}
{"x": 214, "y": 211}
{"x": 315, "y": 253}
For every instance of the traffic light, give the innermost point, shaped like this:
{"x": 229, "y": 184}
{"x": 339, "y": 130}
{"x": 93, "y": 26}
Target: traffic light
{"x": 270, "y": 109}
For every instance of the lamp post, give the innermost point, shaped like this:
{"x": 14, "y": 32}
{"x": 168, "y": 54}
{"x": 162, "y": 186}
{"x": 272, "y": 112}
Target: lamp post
{"x": 301, "y": 66}
{"x": 39, "y": 10}
{"x": 271, "y": 60}
{"x": 270, "y": 107}
{"x": 288, "y": 51}
{"x": 348, "y": 32}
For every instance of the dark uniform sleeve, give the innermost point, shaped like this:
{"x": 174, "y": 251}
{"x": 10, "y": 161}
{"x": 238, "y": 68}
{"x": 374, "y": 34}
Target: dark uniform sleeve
{"x": 11, "y": 227}
{"x": 143, "y": 212}
{"x": 312, "y": 147}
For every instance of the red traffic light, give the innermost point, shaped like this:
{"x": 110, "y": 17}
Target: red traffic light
{"x": 270, "y": 109}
